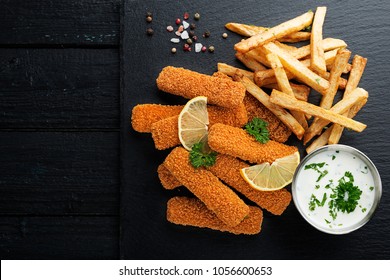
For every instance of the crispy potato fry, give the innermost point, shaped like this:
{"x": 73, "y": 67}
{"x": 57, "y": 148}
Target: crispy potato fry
{"x": 284, "y": 85}
{"x": 301, "y": 92}
{"x": 317, "y": 58}
{"x": 300, "y": 71}
{"x": 328, "y": 44}
{"x": 333, "y": 115}
{"x": 281, "y": 113}
{"x": 321, "y": 140}
{"x": 276, "y": 32}
{"x": 251, "y": 30}
{"x": 358, "y": 66}
{"x": 248, "y": 60}
{"x": 339, "y": 64}
{"x": 285, "y": 47}
{"x": 231, "y": 71}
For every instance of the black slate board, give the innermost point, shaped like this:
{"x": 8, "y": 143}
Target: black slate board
{"x": 145, "y": 233}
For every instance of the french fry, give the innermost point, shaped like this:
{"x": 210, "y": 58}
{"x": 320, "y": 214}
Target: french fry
{"x": 321, "y": 140}
{"x": 285, "y": 47}
{"x": 332, "y": 115}
{"x": 358, "y": 66}
{"x": 249, "y": 61}
{"x": 276, "y": 32}
{"x": 251, "y": 30}
{"x": 284, "y": 85}
{"x": 231, "y": 70}
{"x": 301, "y": 92}
{"x": 328, "y": 44}
{"x": 300, "y": 71}
{"x": 281, "y": 113}
{"x": 317, "y": 58}
{"x": 327, "y": 99}
{"x": 339, "y": 64}
{"x": 260, "y": 55}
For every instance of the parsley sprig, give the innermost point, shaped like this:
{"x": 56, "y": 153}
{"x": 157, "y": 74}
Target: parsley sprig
{"x": 258, "y": 129}
{"x": 346, "y": 196}
{"x": 200, "y": 157}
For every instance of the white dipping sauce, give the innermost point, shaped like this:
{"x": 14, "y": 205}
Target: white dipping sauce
{"x": 317, "y": 181}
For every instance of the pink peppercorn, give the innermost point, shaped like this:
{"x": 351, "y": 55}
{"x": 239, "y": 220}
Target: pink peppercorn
{"x": 204, "y": 49}
{"x": 186, "y": 15}
{"x": 178, "y": 21}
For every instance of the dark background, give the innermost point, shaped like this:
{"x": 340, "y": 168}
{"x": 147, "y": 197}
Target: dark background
{"x": 67, "y": 149}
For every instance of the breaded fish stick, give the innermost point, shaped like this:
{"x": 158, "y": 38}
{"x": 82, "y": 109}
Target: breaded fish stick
{"x": 192, "y": 212}
{"x": 189, "y": 84}
{"x": 278, "y": 131}
{"x": 165, "y": 133}
{"x": 220, "y": 199}
{"x": 143, "y": 115}
{"x": 227, "y": 169}
{"x": 237, "y": 142}
{"x": 168, "y": 181}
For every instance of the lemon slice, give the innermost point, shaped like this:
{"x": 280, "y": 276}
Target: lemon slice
{"x": 193, "y": 122}
{"x": 272, "y": 177}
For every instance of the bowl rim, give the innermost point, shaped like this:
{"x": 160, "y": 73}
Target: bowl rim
{"x": 374, "y": 172}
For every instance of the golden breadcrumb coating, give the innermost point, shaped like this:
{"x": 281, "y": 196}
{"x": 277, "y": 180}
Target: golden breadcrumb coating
{"x": 227, "y": 169}
{"x": 208, "y": 188}
{"x": 189, "y": 84}
{"x": 237, "y": 142}
{"x": 143, "y": 115}
{"x": 278, "y": 131}
{"x": 165, "y": 132}
{"x": 167, "y": 180}
{"x": 192, "y": 212}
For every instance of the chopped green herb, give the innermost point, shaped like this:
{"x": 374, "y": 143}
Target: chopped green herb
{"x": 365, "y": 171}
{"x": 198, "y": 156}
{"x": 371, "y": 188}
{"x": 258, "y": 129}
{"x": 327, "y": 221}
{"x": 337, "y": 152}
{"x": 316, "y": 167}
{"x": 317, "y": 187}
{"x": 315, "y": 202}
{"x": 318, "y": 80}
{"x": 307, "y": 29}
{"x": 333, "y": 157}
{"x": 340, "y": 225}
{"x": 364, "y": 210}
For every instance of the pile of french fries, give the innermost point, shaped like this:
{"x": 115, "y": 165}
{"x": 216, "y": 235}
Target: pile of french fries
{"x": 318, "y": 66}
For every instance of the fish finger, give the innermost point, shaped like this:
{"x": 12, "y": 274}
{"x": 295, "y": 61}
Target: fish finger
{"x": 189, "y": 84}
{"x": 192, "y": 212}
{"x": 168, "y": 181}
{"x": 208, "y": 188}
{"x": 278, "y": 131}
{"x": 165, "y": 132}
{"x": 143, "y": 115}
{"x": 237, "y": 142}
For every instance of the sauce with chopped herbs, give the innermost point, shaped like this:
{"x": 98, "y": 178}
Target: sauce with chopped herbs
{"x": 334, "y": 189}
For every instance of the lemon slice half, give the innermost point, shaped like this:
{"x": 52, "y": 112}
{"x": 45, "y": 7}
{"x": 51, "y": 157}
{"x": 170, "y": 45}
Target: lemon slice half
{"x": 193, "y": 122}
{"x": 271, "y": 177}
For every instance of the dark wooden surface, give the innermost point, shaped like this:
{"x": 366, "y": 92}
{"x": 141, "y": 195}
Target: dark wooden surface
{"x": 145, "y": 232}
{"x": 59, "y": 129}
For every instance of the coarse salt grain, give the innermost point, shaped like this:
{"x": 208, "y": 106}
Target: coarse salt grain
{"x": 198, "y": 47}
{"x": 175, "y": 40}
{"x": 169, "y": 28}
{"x": 184, "y": 35}
{"x": 178, "y": 33}
{"x": 185, "y": 24}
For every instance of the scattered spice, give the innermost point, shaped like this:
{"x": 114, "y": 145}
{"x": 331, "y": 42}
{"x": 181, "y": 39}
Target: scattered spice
{"x": 197, "y": 16}
{"x": 169, "y": 28}
{"x": 149, "y": 19}
{"x": 181, "y": 28}
{"x": 184, "y": 35}
{"x": 149, "y": 31}
{"x": 149, "y": 14}
{"x": 211, "y": 49}
{"x": 175, "y": 40}
{"x": 198, "y": 47}
{"x": 186, "y": 48}
{"x": 189, "y": 41}
{"x": 185, "y": 24}
{"x": 206, "y": 34}
{"x": 186, "y": 15}
{"x": 191, "y": 33}
{"x": 224, "y": 35}
{"x": 204, "y": 49}
{"x": 192, "y": 26}
{"x": 178, "y": 21}
{"x": 173, "y": 50}
{"x": 195, "y": 38}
